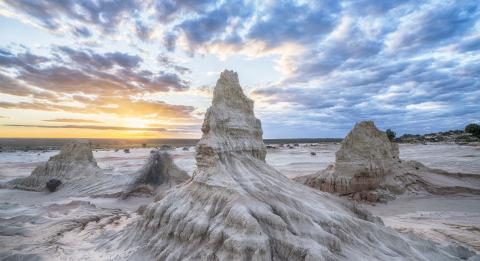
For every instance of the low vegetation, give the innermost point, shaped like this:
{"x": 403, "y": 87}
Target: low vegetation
{"x": 473, "y": 129}
{"x": 471, "y": 133}
{"x": 390, "y": 134}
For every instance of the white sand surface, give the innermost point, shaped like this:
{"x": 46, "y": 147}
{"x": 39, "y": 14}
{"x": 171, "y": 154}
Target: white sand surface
{"x": 444, "y": 219}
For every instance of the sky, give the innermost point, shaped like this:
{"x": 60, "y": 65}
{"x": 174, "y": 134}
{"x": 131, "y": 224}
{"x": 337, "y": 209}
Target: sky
{"x": 146, "y": 69}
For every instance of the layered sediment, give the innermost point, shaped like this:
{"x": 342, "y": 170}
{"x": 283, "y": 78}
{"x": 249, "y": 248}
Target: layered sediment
{"x": 29, "y": 233}
{"x": 367, "y": 166}
{"x": 158, "y": 173}
{"x": 75, "y": 161}
{"x": 160, "y": 169}
{"x": 237, "y": 207}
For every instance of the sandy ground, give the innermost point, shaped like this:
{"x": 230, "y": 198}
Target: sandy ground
{"x": 291, "y": 162}
{"x": 444, "y": 219}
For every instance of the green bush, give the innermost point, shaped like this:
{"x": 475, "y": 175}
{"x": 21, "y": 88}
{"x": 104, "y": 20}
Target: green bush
{"x": 390, "y": 134}
{"x": 473, "y": 129}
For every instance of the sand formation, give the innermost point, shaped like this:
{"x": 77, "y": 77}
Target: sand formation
{"x": 75, "y": 161}
{"x": 43, "y": 233}
{"x": 367, "y": 166}
{"x": 77, "y": 171}
{"x": 158, "y": 174}
{"x": 237, "y": 207}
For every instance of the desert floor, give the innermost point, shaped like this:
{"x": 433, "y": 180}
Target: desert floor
{"x": 444, "y": 219}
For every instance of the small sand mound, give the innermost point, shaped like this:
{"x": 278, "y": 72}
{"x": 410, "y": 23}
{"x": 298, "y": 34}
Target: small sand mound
{"x": 74, "y": 161}
{"x": 367, "y": 167}
{"x": 159, "y": 171}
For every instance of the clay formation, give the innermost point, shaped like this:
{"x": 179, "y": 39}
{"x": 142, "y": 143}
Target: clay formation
{"x": 367, "y": 167}
{"x": 157, "y": 175}
{"x": 237, "y": 207}
{"x": 75, "y": 161}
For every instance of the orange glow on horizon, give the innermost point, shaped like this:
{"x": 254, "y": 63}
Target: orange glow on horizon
{"x": 20, "y": 132}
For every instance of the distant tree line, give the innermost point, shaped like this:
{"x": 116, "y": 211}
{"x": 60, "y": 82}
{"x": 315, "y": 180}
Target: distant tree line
{"x": 473, "y": 129}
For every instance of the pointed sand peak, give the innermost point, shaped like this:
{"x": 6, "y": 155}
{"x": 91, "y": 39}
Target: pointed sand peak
{"x": 366, "y": 141}
{"x": 76, "y": 150}
{"x": 228, "y": 91}
{"x": 230, "y": 125}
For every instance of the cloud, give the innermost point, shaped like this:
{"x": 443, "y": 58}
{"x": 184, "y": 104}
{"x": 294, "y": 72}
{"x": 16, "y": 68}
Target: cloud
{"x": 83, "y": 81}
{"x": 212, "y": 26}
{"x": 426, "y": 106}
{"x": 469, "y": 44}
{"x": 433, "y": 24}
{"x": 118, "y": 106}
{"x": 284, "y": 21}
{"x": 89, "y": 72}
{"x": 169, "y": 10}
{"x": 373, "y": 7}
{"x": 409, "y": 96}
{"x": 24, "y": 60}
{"x": 12, "y": 86}
{"x": 239, "y": 24}
{"x": 166, "y": 61}
{"x": 91, "y": 127}
{"x": 82, "y": 31}
{"x": 353, "y": 72}
{"x": 347, "y": 42}
{"x": 53, "y": 15}
{"x": 101, "y": 61}
{"x": 143, "y": 31}
{"x": 73, "y": 120}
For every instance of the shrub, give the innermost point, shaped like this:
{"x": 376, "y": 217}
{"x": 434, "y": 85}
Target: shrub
{"x": 473, "y": 129}
{"x": 390, "y": 134}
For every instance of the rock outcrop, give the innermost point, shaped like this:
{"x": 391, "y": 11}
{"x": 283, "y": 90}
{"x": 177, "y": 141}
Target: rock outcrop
{"x": 229, "y": 126}
{"x": 367, "y": 167}
{"x": 366, "y": 156}
{"x": 160, "y": 169}
{"x": 237, "y": 207}
{"x": 74, "y": 161}
{"x": 159, "y": 172}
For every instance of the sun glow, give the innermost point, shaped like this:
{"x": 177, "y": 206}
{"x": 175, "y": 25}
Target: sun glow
{"x": 136, "y": 123}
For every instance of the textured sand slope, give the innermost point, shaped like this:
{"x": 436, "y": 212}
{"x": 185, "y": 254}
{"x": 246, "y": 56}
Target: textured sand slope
{"x": 74, "y": 162}
{"x": 368, "y": 162}
{"x": 237, "y": 207}
{"x": 29, "y": 233}
{"x": 157, "y": 175}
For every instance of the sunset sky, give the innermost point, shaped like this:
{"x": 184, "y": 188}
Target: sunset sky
{"x": 146, "y": 69}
